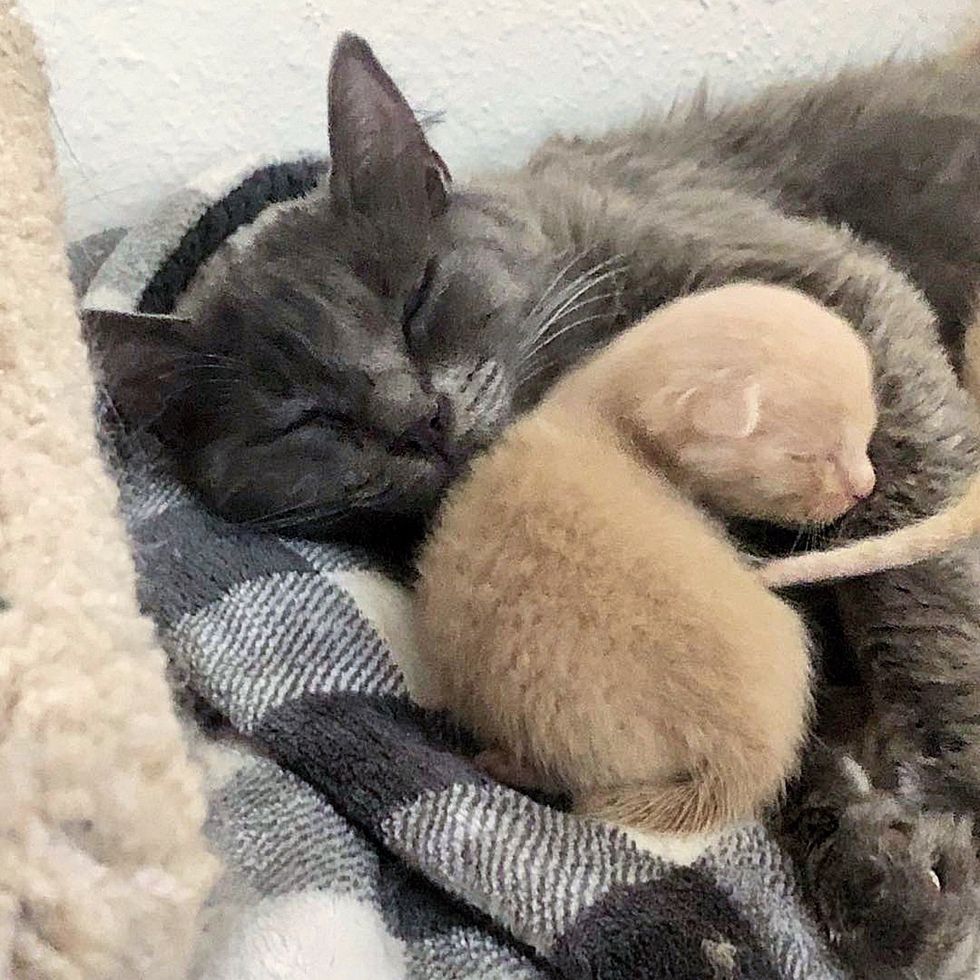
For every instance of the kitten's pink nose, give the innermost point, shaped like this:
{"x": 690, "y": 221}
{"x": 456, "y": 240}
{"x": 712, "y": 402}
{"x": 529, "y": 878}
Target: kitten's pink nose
{"x": 862, "y": 480}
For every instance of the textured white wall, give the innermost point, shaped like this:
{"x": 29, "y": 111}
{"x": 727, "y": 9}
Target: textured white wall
{"x": 148, "y": 92}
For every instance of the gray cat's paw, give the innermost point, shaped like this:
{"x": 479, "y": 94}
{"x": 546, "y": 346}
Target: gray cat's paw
{"x": 898, "y": 890}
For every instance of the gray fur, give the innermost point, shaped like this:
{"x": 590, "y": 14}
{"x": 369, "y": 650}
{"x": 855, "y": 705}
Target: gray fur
{"x": 321, "y": 392}
{"x": 858, "y": 850}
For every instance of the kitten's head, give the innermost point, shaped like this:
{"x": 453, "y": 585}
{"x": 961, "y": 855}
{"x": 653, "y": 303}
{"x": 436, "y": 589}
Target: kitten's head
{"x": 783, "y": 439}
{"x": 338, "y": 370}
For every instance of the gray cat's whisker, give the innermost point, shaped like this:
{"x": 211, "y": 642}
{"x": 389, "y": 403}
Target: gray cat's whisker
{"x": 594, "y": 279}
{"x": 571, "y": 292}
{"x": 212, "y": 368}
{"x": 568, "y": 303}
{"x": 274, "y": 515}
{"x": 566, "y": 310}
{"x": 796, "y": 541}
{"x": 558, "y": 334}
{"x": 541, "y": 319}
{"x": 541, "y": 313}
{"x": 192, "y": 373}
{"x": 545, "y": 338}
{"x": 598, "y": 298}
{"x": 553, "y": 285}
{"x": 308, "y": 512}
{"x": 205, "y": 356}
{"x": 586, "y": 281}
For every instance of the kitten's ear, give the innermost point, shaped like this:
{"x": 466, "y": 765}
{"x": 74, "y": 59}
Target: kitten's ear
{"x": 380, "y": 160}
{"x": 138, "y": 357}
{"x": 727, "y": 410}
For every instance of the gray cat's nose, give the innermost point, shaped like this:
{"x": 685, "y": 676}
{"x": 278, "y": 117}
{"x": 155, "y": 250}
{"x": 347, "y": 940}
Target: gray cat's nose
{"x": 431, "y": 432}
{"x": 441, "y": 420}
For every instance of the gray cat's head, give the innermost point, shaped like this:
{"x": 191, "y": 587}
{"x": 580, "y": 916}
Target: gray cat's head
{"x": 337, "y": 371}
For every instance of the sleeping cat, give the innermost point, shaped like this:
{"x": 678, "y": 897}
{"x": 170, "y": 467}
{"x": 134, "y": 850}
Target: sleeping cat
{"x": 585, "y": 617}
{"x": 361, "y": 344}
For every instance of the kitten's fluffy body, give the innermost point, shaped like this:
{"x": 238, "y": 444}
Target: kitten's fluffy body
{"x": 588, "y": 620}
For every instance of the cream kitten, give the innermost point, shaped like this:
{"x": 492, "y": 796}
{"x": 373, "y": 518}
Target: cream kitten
{"x": 584, "y": 616}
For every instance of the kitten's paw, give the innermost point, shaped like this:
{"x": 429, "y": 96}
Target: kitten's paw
{"x": 898, "y": 890}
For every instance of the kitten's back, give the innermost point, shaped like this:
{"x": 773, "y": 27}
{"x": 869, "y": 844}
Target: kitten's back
{"x": 586, "y": 618}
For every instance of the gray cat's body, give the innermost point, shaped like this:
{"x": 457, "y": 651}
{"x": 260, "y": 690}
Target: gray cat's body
{"x": 346, "y": 360}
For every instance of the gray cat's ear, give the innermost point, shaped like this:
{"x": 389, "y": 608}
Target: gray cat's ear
{"x": 381, "y": 162}
{"x": 141, "y": 359}
{"x": 725, "y": 409}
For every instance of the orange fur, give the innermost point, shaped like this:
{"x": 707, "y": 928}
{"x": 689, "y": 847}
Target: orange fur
{"x": 585, "y": 618}
{"x": 956, "y": 524}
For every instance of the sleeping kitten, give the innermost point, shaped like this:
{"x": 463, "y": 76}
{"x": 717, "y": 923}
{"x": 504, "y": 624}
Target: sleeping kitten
{"x": 584, "y": 616}
{"x": 370, "y": 338}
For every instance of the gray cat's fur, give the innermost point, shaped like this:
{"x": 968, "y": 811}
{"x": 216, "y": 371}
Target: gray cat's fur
{"x": 320, "y": 390}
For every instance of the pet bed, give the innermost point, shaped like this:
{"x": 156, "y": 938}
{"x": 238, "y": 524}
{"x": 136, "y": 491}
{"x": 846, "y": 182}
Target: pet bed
{"x": 103, "y": 865}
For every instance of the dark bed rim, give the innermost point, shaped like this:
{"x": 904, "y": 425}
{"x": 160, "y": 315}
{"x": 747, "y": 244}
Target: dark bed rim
{"x": 272, "y": 184}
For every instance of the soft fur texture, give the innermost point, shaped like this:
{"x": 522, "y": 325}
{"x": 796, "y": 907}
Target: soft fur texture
{"x": 536, "y": 266}
{"x": 753, "y": 399}
{"x": 589, "y": 622}
{"x": 102, "y": 862}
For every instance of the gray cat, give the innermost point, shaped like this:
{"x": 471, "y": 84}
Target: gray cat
{"x": 348, "y": 356}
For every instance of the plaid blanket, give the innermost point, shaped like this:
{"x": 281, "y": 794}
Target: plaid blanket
{"x": 359, "y": 840}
